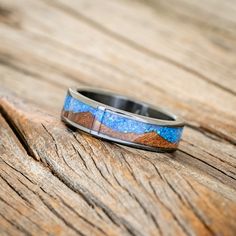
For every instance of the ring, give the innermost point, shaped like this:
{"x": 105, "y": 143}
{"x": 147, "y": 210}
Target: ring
{"x": 122, "y": 120}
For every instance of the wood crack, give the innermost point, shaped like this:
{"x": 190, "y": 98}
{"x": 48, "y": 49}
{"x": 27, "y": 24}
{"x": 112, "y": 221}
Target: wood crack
{"x": 86, "y": 195}
{"x": 17, "y": 132}
{"x": 92, "y": 201}
{"x": 147, "y": 212}
{"x": 82, "y": 217}
{"x": 18, "y": 171}
{"x": 213, "y": 167}
{"x": 53, "y": 139}
{"x": 181, "y": 198}
{"x": 17, "y": 226}
{"x": 212, "y": 135}
{"x": 217, "y": 157}
{"x": 98, "y": 169}
{"x": 198, "y": 215}
{"x": 185, "y": 230}
{"x": 133, "y": 196}
{"x": 190, "y": 207}
{"x": 81, "y": 157}
{"x": 20, "y": 213}
{"x": 58, "y": 215}
{"x": 19, "y": 193}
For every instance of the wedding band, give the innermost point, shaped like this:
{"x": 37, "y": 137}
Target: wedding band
{"x": 122, "y": 120}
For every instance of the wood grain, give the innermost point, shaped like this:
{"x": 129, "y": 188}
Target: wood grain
{"x": 138, "y": 193}
{"x": 56, "y": 181}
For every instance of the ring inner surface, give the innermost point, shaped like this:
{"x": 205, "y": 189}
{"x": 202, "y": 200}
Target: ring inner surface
{"x": 126, "y": 105}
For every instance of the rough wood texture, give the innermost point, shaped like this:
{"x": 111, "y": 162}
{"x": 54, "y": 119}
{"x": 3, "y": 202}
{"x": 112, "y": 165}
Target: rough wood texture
{"x": 178, "y": 54}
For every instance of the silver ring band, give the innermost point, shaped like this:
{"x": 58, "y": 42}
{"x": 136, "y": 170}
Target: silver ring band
{"x": 123, "y": 120}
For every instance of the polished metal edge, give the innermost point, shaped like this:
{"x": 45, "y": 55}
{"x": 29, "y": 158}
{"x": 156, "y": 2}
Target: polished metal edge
{"x": 178, "y": 122}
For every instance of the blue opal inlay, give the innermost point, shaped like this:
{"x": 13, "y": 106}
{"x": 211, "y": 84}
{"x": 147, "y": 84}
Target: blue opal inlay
{"x": 72, "y": 104}
{"x": 123, "y": 124}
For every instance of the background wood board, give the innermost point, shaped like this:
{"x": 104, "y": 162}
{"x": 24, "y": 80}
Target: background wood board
{"x": 180, "y": 54}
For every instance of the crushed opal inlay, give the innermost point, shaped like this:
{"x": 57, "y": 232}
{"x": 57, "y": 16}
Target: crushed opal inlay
{"x": 121, "y": 123}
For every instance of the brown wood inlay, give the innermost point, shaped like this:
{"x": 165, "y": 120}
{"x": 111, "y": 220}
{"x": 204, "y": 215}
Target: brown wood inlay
{"x": 87, "y": 120}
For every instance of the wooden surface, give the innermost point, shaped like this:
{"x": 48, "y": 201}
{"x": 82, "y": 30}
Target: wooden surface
{"x": 178, "y": 54}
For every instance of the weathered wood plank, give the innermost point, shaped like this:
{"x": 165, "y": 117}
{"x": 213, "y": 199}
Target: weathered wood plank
{"x": 139, "y": 192}
{"x": 34, "y": 202}
{"x": 179, "y": 54}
